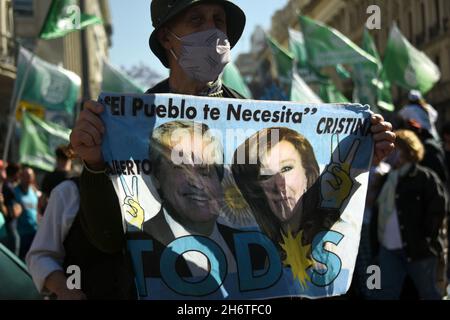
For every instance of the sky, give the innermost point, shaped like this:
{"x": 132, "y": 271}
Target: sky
{"x": 132, "y": 28}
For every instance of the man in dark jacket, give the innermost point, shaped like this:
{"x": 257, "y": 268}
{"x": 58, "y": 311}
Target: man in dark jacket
{"x": 193, "y": 39}
{"x": 412, "y": 206}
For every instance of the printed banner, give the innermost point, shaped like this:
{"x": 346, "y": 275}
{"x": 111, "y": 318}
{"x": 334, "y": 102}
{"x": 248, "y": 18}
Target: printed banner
{"x": 238, "y": 199}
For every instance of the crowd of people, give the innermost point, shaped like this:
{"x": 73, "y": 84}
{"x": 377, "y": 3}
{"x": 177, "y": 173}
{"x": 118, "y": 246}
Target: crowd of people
{"x": 405, "y": 227}
{"x": 23, "y": 201}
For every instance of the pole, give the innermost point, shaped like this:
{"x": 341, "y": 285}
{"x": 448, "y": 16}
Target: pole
{"x": 85, "y": 58}
{"x": 14, "y": 106}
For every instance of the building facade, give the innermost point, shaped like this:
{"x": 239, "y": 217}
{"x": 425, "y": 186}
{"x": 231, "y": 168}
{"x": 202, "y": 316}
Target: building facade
{"x": 8, "y": 55}
{"x": 80, "y": 52}
{"x": 426, "y": 24}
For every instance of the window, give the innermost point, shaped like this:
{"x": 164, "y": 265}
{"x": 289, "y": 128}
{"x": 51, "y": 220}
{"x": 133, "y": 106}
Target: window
{"x": 23, "y": 7}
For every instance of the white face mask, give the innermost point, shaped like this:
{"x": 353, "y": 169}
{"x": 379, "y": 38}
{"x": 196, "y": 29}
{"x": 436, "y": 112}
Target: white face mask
{"x": 204, "y": 54}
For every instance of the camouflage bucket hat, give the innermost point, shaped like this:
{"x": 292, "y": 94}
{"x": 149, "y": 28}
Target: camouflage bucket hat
{"x": 164, "y": 10}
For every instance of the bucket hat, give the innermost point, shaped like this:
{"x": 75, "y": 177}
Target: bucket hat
{"x": 164, "y": 10}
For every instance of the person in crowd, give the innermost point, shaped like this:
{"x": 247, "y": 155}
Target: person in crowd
{"x": 51, "y": 180}
{"x": 12, "y": 207}
{"x": 182, "y": 41}
{"x": 3, "y": 208}
{"x": 27, "y": 195}
{"x": 47, "y": 254}
{"x": 411, "y": 210}
{"x": 369, "y": 245}
{"x": 446, "y": 145}
{"x": 419, "y": 110}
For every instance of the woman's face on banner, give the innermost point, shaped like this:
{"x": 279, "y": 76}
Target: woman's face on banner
{"x": 193, "y": 188}
{"x": 283, "y": 179}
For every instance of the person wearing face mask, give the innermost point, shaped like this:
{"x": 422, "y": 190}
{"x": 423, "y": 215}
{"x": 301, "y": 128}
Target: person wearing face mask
{"x": 193, "y": 39}
{"x": 412, "y": 206}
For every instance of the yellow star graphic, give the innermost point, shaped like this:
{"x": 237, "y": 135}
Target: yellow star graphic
{"x": 297, "y": 257}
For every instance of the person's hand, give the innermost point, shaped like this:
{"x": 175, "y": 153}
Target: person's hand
{"x": 16, "y": 210}
{"x": 131, "y": 204}
{"x": 336, "y": 183}
{"x": 87, "y": 135}
{"x": 383, "y": 137}
{"x": 68, "y": 294}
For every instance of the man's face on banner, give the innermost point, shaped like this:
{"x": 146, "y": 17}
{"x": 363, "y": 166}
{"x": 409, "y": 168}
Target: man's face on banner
{"x": 193, "y": 188}
{"x": 283, "y": 179}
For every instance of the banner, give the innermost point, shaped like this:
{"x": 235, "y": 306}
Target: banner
{"x": 48, "y": 86}
{"x": 65, "y": 16}
{"x": 117, "y": 81}
{"x": 328, "y": 47}
{"x": 238, "y": 199}
{"x": 39, "y": 141}
{"x": 407, "y": 66}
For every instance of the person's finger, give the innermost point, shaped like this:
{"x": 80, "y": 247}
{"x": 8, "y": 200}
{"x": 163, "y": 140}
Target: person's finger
{"x": 92, "y": 118}
{"x": 376, "y": 118}
{"x": 341, "y": 175}
{"x": 133, "y": 214}
{"x": 384, "y": 136}
{"x": 82, "y": 138}
{"x": 134, "y": 204}
{"x": 352, "y": 153}
{"x": 384, "y": 148}
{"x": 336, "y": 153}
{"x": 134, "y": 187}
{"x": 333, "y": 184}
{"x": 93, "y": 106}
{"x": 382, "y": 126}
{"x": 125, "y": 188}
{"x": 88, "y": 128}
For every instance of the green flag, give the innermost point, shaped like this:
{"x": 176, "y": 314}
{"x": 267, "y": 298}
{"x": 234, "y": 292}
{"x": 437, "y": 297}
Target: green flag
{"x": 304, "y": 68}
{"x": 301, "y": 92}
{"x": 371, "y": 85}
{"x": 330, "y": 94}
{"x": 283, "y": 59}
{"x": 63, "y": 17}
{"x": 298, "y": 49}
{"x": 232, "y": 78}
{"x": 407, "y": 66}
{"x": 51, "y": 89}
{"x": 328, "y": 47}
{"x": 39, "y": 141}
{"x": 116, "y": 81}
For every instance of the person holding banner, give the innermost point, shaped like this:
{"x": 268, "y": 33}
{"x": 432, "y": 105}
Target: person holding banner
{"x": 192, "y": 38}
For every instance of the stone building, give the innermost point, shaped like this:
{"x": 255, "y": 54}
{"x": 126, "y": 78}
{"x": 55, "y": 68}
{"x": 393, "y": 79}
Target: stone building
{"x": 68, "y": 51}
{"x": 81, "y": 52}
{"x": 7, "y": 62}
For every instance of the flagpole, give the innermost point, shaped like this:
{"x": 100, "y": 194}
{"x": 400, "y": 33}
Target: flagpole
{"x": 15, "y": 103}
